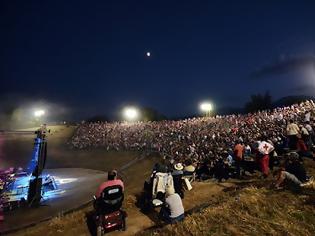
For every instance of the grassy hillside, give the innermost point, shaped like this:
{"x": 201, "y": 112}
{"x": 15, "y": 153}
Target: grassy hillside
{"x": 250, "y": 211}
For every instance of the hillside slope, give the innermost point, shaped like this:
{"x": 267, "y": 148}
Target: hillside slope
{"x": 250, "y": 211}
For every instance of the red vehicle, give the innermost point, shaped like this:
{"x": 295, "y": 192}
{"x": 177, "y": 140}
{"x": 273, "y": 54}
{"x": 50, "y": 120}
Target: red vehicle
{"x": 109, "y": 215}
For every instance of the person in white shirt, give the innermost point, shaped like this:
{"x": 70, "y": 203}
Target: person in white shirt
{"x": 309, "y": 127}
{"x": 292, "y": 132}
{"x": 306, "y": 135}
{"x": 307, "y": 117}
{"x": 173, "y": 210}
{"x": 304, "y": 131}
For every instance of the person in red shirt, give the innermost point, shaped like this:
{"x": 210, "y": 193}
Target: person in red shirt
{"x": 112, "y": 180}
{"x": 302, "y": 149}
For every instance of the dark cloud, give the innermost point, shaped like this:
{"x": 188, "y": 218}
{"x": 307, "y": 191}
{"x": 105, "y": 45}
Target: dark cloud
{"x": 283, "y": 66}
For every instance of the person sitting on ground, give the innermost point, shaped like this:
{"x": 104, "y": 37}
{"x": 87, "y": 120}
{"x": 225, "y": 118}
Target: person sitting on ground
{"x": 283, "y": 176}
{"x": 294, "y": 166}
{"x": 203, "y": 170}
{"x": 189, "y": 168}
{"x": 177, "y": 174}
{"x": 173, "y": 209}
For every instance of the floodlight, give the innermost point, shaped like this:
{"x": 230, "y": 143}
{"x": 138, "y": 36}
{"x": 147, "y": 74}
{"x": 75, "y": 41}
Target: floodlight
{"x": 206, "y": 107}
{"x": 130, "y": 113}
{"x": 39, "y": 113}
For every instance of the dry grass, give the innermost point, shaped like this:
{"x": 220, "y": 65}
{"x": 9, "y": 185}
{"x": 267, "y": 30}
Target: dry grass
{"x": 70, "y": 224}
{"x": 249, "y": 211}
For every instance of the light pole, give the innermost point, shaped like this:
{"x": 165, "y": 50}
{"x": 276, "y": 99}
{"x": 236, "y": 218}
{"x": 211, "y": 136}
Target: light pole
{"x": 206, "y": 107}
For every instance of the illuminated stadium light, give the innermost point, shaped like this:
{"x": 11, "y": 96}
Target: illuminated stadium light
{"x": 39, "y": 113}
{"x": 206, "y": 107}
{"x": 130, "y": 113}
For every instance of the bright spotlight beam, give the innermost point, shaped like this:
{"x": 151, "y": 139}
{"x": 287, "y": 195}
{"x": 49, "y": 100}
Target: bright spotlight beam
{"x": 131, "y": 113}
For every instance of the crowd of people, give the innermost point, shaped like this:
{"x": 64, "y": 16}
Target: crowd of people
{"x": 212, "y": 147}
{"x": 199, "y": 139}
{"x": 215, "y": 146}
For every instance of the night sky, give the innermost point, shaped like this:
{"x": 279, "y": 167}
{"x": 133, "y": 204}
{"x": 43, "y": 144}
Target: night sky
{"x": 90, "y": 56}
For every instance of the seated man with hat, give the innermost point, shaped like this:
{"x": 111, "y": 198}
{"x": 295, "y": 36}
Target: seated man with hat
{"x": 177, "y": 174}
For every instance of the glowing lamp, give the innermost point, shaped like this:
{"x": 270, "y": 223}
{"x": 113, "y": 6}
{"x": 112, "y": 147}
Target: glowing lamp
{"x": 130, "y": 113}
{"x": 206, "y": 107}
{"x": 39, "y": 113}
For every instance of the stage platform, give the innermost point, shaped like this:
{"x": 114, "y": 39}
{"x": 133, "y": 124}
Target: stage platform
{"x": 76, "y": 188}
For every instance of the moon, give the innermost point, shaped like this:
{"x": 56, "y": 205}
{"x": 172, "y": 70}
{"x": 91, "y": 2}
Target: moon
{"x": 148, "y": 54}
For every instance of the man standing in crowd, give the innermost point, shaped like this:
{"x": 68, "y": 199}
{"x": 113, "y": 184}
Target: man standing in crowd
{"x": 239, "y": 150}
{"x": 310, "y": 131}
{"x": 264, "y": 149}
{"x": 177, "y": 174}
{"x": 292, "y": 132}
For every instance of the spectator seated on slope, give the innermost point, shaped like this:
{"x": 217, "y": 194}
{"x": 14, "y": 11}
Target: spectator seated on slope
{"x": 294, "y": 166}
{"x": 173, "y": 210}
{"x": 177, "y": 174}
{"x": 189, "y": 170}
{"x": 284, "y": 178}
